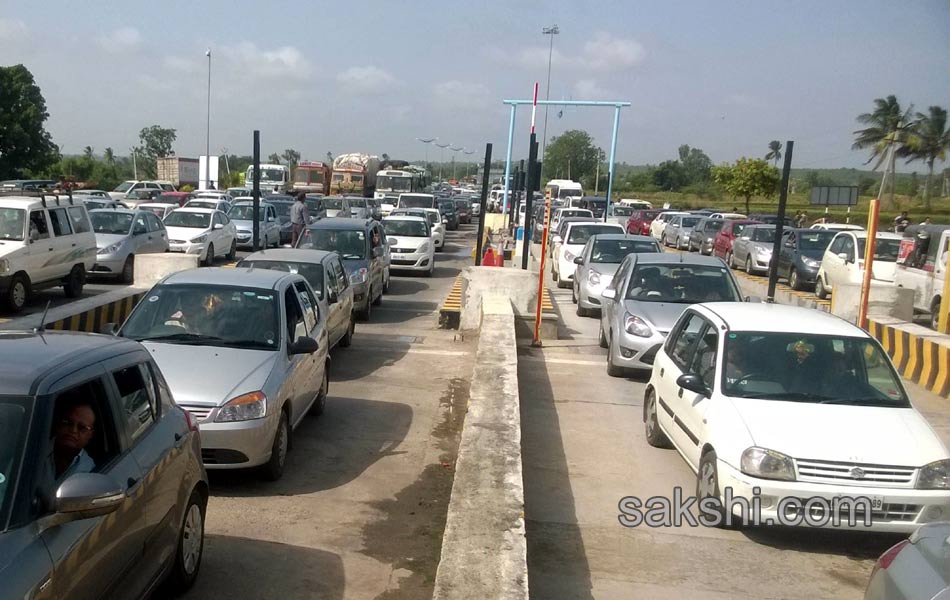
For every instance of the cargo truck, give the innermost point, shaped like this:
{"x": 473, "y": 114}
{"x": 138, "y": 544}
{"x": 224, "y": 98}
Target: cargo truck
{"x": 312, "y": 178}
{"x": 274, "y": 178}
{"x": 354, "y": 174}
{"x": 177, "y": 170}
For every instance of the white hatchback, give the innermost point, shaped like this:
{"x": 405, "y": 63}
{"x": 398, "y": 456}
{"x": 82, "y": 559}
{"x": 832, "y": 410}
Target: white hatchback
{"x": 572, "y": 244}
{"x": 843, "y": 261}
{"x": 410, "y": 244}
{"x": 203, "y": 231}
{"x": 658, "y": 225}
{"x": 788, "y": 404}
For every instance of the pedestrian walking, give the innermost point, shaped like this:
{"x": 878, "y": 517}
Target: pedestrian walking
{"x": 299, "y": 217}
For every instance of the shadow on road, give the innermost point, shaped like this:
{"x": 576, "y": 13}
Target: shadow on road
{"x": 405, "y": 284}
{"x": 857, "y": 545}
{"x": 266, "y": 570}
{"x": 557, "y": 561}
{"x": 330, "y": 451}
{"x": 369, "y": 352}
{"x": 400, "y": 311}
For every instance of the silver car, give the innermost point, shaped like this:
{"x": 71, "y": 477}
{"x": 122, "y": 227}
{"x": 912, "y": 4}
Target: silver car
{"x": 120, "y": 235}
{"x": 648, "y": 293}
{"x": 325, "y": 273}
{"x": 752, "y": 250}
{"x": 359, "y": 209}
{"x": 241, "y": 214}
{"x": 245, "y": 352}
{"x": 914, "y": 568}
{"x": 598, "y": 262}
{"x": 678, "y": 230}
{"x": 102, "y": 492}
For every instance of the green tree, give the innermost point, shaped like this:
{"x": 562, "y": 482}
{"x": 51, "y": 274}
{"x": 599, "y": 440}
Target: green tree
{"x": 154, "y": 142}
{"x": 572, "y": 152}
{"x": 696, "y": 164}
{"x": 928, "y": 140}
{"x": 746, "y": 178}
{"x": 775, "y": 152}
{"x": 25, "y": 145}
{"x": 670, "y": 175}
{"x": 885, "y": 134}
{"x": 274, "y": 159}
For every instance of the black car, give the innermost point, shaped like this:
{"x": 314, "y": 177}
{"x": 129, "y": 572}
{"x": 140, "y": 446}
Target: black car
{"x": 703, "y": 235}
{"x": 450, "y": 215}
{"x": 464, "y": 208}
{"x": 283, "y": 215}
{"x": 801, "y": 254}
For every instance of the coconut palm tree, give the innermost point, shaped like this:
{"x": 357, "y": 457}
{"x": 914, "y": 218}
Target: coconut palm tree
{"x": 109, "y": 156}
{"x": 928, "y": 139}
{"x": 88, "y": 152}
{"x": 886, "y": 132}
{"x": 775, "y": 152}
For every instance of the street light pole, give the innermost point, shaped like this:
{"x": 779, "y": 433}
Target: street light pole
{"x": 551, "y": 31}
{"x": 442, "y": 158}
{"x": 467, "y": 152}
{"x": 208, "y": 132}
{"x": 427, "y": 141}
{"x": 454, "y": 150}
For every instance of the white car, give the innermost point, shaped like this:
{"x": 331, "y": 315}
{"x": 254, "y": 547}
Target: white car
{"x": 212, "y": 203}
{"x": 159, "y": 209}
{"x": 203, "y": 231}
{"x": 788, "y": 404}
{"x": 727, "y": 215}
{"x": 563, "y": 213}
{"x": 128, "y": 190}
{"x": 438, "y": 227}
{"x": 837, "y": 227}
{"x": 658, "y": 226}
{"x": 570, "y": 246}
{"x": 410, "y": 244}
{"x": 843, "y": 261}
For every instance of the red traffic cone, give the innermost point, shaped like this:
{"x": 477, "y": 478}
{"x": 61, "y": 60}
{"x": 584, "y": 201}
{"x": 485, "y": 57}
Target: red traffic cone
{"x": 488, "y": 260}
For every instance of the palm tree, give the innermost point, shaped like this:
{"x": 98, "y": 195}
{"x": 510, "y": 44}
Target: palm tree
{"x": 775, "y": 152}
{"x": 885, "y": 135}
{"x": 928, "y": 140}
{"x": 88, "y": 152}
{"x": 109, "y": 156}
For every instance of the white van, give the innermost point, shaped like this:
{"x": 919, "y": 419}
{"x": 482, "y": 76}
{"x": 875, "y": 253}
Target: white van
{"x": 922, "y": 266}
{"x": 44, "y": 242}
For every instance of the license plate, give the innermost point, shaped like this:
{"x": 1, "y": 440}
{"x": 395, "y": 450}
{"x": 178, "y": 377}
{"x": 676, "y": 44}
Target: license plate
{"x": 877, "y": 502}
{"x": 398, "y": 256}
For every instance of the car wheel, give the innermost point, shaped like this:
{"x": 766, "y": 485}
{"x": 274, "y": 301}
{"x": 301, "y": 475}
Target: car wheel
{"x": 320, "y": 403}
{"x": 820, "y": 290}
{"x": 209, "y": 257}
{"x": 128, "y": 270}
{"x": 191, "y": 541}
{"x": 563, "y": 283}
{"x": 612, "y": 369}
{"x": 794, "y": 281}
{"x": 274, "y": 468}
{"x": 232, "y": 253}
{"x": 17, "y": 294}
{"x": 707, "y": 484}
{"x": 655, "y": 435}
{"x": 935, "y": 313}
{"x": 74, "y": 282}
{"x": 378, "y": 300}
{"x": 347, "y": 339}
{"x": 748, "y": 266}
{"x": 730, "y": 260}
{"x": 574, "y": 291}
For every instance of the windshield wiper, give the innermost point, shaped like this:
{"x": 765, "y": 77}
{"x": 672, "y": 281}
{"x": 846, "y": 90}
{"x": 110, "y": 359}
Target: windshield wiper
{"x": 863, "y": 401}
{"x": 352, "y": 256}
{"x": 249, "y": 344}
{"x": 180, "y": 337}
{"x": 793, "y": 396}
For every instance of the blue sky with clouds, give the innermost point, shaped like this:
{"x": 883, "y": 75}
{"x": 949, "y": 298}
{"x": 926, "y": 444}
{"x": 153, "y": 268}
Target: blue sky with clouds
{"x": 723, "y": 76}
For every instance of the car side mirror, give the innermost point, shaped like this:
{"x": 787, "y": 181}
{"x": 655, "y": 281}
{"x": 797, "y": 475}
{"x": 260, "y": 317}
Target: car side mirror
{"x": 843, "y": 256}
{"x": 87, "y": 495}
{"x": 579, "y": 260}
{"x": 219, "y": 225}
{"x": 34, "y": 235}
{"x": 693, "y": 383}
{"x": 609, "y": 294}
{"x": 304, "y": 345}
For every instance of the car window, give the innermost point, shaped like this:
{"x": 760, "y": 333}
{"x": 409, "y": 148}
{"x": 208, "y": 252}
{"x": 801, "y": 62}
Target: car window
{"x": 704, "y": 359}
{"x": 137, "y": 400}
{"x": 836, "y": 245}
{"x": 342, "y": 280}
{"x": 847, "y": 246}
{"x": 39, "y": 224}
{"x": 80, "y": 219}
{"x": 311, "y": 310}
{"x": 60, "y": 221}
{"x": 295, "y": 318}
{"x": 138, "y": 226}
{"x": 83, "y": 417}
{"x": 153, "y": 223}
{"x": 620, "y": 275}
{"x": 682, "y": 344}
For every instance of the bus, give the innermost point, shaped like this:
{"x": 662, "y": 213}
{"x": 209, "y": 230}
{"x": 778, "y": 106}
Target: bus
{"x": 563, "y": 189}
{"x": 392, "y": 182}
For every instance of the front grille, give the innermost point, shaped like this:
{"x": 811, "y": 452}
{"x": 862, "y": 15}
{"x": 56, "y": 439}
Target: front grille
{"x": 892, "y": 512}
{"x": 402, "y": 262}
{"x": 855, "y": 473}
{"x": 218, "y": 456}
{"x": 200, "y": 413}
{"x": 403, "y": 250}
{"x": 176, "y": 241}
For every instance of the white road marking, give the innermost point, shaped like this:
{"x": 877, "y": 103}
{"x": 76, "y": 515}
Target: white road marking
{"x": 438, "y": 352}
{"x": 562, "y": 361}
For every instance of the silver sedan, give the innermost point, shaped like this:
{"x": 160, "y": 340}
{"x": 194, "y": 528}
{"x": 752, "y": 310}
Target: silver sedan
{"x": 121, "y": 234}
{"x": 752, "y": 250}
{"x": 245, "y": 352}
{"x": 598, "y": 262}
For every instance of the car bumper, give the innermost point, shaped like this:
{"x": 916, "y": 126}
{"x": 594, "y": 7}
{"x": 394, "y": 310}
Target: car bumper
{"x": 187, "y": 248}
{"x": 903, "y": 510}
{"x": 761, "y": 262}
{"x": 635, "y": 352}
{"x": 108, "y": 264}
{"x": 807, "y": 274}
{"x": 565, "y": 268}
{"x": 360, "y": 296}
{"x": 411, "y": 262}
{"x": 5, "y": 282}
{"x": 237, "y": 445}
{"x": 590, "y": 296}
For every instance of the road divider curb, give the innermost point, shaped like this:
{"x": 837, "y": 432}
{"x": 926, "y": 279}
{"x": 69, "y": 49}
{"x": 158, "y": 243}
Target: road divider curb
{"x": 919, "y": 354}
{"x": 94, "y": 319}
{"x": 451, "y": 311}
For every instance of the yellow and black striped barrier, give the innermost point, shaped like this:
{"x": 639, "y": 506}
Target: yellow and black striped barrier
{"x": 94, "y": 319}
{"x": 917, "y": 358}
{"x": 450, "y": 314}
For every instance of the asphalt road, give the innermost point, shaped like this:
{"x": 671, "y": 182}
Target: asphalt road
{"x": 361, "y": 508}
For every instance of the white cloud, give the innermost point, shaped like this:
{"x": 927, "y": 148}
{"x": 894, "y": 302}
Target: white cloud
{"x": 285, "y": 62}
{"x": 462, "y": 95}
{"x": 588, "y": 89}
{"x": 12, "y": 30}
{"x": 365, "y": 80}
{"x": 606, "y": 52}
{"x": 180, "y": 64}
{"x": 119, "y": 40}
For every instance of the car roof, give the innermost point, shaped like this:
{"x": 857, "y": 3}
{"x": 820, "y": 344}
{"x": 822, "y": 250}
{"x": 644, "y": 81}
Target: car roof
{"x": 771, "y": 317}
{"x": 623, "y": 236}
{"x": 341, "y": 223}
{"x": 240, "y": 277}
{"x": 47, "y": 201}
{"x": 29, "y": 355}
{"x": 196, "y": 209}
{"x": 675, "y": 257}
{"x": 290, "y": 255}
{"x": 406, "y": 218}
{"x": 590, "y": 221}
{"x": 119, "y": 210}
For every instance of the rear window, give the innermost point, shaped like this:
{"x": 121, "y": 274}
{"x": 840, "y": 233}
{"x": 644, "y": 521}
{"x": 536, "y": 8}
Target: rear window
{"x": 579, "y": 234}
{"x": 60, "y": 222}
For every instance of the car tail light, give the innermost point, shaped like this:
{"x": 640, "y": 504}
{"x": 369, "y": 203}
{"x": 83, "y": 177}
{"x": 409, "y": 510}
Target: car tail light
{"x": 889, "y": 556}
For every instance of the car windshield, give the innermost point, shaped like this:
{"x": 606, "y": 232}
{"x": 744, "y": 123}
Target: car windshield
{"x": 407, "y": 227}
{"x": 822, "y": 369}
{"x": 687, "y": 222}
{"x": 815, "y": 239}
{"x": 313, "y": 204}
{"x": 713, "y": 225}
{"x": 312, "y": 272}
{"x": 579, "y": 234}
{"x": 245, "y": 212}
{"x": 203, "y": 204}
{"x": 272, "y": 175}
{"x": 447, "y": 207}
{"x": 393, "y": 183}
{"x": 206, "y": 315}
{"x": 14, "y": 425}
{"x": 622, "y": 211}
{"x": 357, "y": 202}
{"x": 569, "y": 193}
{"x": 111, "y": 222}
{"x": 12, "y": 221}
{"x": 333, "y": 203}
{"x": 350, "y": 243}
{"x": 885, "y": 250}
{"x": 613, "y": 251}
{"x": 180, "y": 218}
{"x": 124, "y": 186}
{"x": 681, "y": 283}
{"x": 283, "y": 209}
{"x": 763, "y": 234}
{"x": 415, "y": 202}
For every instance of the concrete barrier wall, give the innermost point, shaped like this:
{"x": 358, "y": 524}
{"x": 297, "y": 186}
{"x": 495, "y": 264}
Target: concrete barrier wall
{"x": 151, "y": 268}
{"x": 885, "y": 299}
{"x": 86, "y": 314}
{"x": 921, "y": 355}
{"x": 520, "y": 287}
{"x": 484, "y": 550}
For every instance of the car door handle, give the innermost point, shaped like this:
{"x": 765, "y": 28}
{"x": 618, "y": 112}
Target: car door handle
{"x": 662, "y": 371}
{"x": 179, "y": 440}
{"x": 680, "y": 393}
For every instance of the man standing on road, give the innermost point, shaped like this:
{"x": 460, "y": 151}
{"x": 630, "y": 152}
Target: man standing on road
{"x": 299, "y": 217}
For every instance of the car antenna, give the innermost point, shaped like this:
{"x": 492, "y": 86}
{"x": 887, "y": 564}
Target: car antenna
{"x": 42, "y": 326}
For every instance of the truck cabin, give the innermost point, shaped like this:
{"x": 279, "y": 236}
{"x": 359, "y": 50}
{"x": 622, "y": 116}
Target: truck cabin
{"x": 346, "y": 181}
{"x": 923, "y": 245}
{"x": 310, "y": 177}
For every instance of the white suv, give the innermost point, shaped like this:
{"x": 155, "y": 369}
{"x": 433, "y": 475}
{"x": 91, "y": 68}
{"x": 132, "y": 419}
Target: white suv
{"x": 129, "y": 190}
{"x": 44, "y": 242}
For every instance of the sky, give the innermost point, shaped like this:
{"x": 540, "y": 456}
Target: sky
{"x": 373, "y": 76}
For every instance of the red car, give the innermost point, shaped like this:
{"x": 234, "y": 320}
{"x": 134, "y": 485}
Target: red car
{"x": 731, "y": 229}
{"x": 639, "y": 222}
{"x": 178, "y": 198}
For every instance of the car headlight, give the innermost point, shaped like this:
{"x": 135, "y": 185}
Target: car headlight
{"x": 4, "y": 265}
{"x": 810, "y": 262}
{"x": 935, "y": 476}
{"x": 568, "y": 256}
{"x": 593, "y": 277}
{"x": 423, "y": 248}
{"x": 200, "y": 239}
{"x": 636, "y": 326}
{"x": 359, "y": 276}
{"x": 767, "y": 464}
{"x": 110, "y": 249}
{"x": 759, "y": 250}
{"x": 243, "y": 408}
